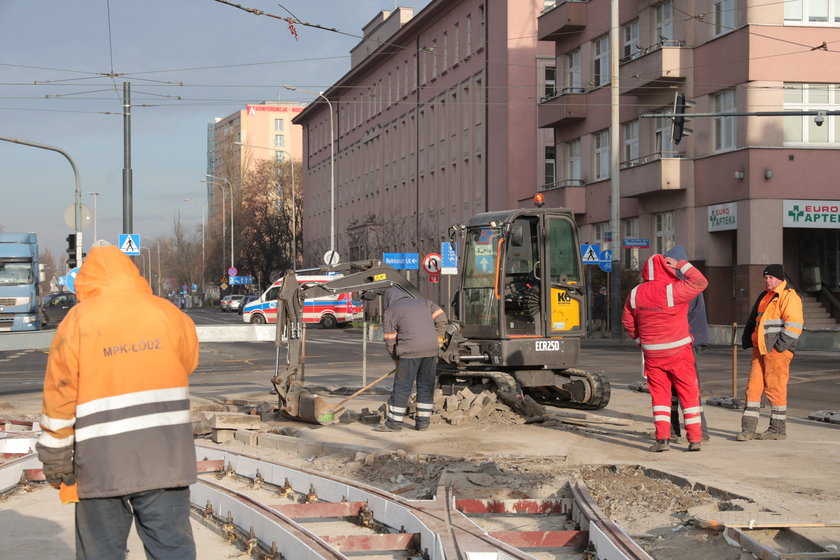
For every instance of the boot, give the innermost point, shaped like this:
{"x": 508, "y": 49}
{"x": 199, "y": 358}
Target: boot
{"x": 421, "y": 425}
{"x": 777, "y": 430}
{"x": 749, "y": 422}
{"x": 387, "y": 426}
{"x": 660, "y": 446}
{"x": 694, "y": 446}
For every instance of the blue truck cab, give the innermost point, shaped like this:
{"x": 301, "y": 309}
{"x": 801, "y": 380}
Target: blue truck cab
{"x": 20, "y": 274}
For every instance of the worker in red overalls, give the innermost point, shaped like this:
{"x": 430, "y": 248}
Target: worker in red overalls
{"x": 656, "y": 317}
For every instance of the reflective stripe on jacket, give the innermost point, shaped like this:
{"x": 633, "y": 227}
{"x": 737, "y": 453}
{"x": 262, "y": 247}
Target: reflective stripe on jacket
{"x": 116, "y": 386}
{"x": 656, "y": 311}
{"x": 777, "y": 323}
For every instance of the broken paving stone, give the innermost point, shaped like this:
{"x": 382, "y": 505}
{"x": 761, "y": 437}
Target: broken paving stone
{"x": 481, "y": 479}
{"x": 230, "y": 420}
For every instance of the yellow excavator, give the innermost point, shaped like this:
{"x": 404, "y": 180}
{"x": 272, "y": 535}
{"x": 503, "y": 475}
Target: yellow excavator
{"x": 520, "y": 314}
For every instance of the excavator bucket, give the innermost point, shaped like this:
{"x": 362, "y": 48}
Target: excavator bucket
{"x": 303, "y": 405}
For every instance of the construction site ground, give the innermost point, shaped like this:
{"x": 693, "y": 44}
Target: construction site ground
{"x": 664, "y": 500}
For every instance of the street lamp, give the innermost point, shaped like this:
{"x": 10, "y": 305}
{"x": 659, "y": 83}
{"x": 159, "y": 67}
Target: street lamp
{"x": 203, "y": 237}
{"x": 332, "y": 166}
{"x": 230, "y": 188}
{"x": 94, "y": 195}
{"x": 158, "y": 261}
{"x": 294, "y": 198}
{"x": 149, "y": 267}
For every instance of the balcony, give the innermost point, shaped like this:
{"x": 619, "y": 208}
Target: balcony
{"x": 656, "y": 173}
{"x": 570, "y": 193}
{"x": 659, "y": 66}
{"x": 569, "y": 103}
{"x": 566, "y": 16}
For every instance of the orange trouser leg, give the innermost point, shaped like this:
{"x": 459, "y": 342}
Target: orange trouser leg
{"x": 769, "y": 374}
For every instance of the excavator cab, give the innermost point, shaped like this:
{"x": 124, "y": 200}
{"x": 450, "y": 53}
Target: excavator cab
{"x": 521, "y": 307}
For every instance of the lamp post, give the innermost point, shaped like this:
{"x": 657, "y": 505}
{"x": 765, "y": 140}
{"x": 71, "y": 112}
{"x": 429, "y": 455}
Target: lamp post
{"x": 294, "y": 197}
{"x": 149, "y": 267}
{"x": 203, "y": 237}
{"x": 332, "y": 164}
{"x": 230, "y": 188}
{"x": 158, "y": 263}
{"x": 94, "y": 195}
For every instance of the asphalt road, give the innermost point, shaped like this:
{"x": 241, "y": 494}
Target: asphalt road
{"x": 334, "y": 358}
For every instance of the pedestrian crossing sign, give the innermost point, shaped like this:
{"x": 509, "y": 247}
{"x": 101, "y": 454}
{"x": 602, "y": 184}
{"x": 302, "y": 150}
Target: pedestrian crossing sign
{"x": 590, "y": 254}
{"x": 130, "y": 243}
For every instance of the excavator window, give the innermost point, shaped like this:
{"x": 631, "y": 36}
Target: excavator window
{"x": 479, "y": 289}
{"x": 522, "y": 278}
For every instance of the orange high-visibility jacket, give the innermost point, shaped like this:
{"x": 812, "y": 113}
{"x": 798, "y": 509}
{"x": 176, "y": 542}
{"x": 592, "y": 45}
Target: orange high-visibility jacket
{"x": 779, "y": 324}
{"x": 116, "y": 387}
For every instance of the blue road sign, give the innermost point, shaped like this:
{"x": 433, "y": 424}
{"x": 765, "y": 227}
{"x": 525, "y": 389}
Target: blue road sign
{"x": 636, "y": 243}
{"x": 130, "y": 243}
{"x": 590, "y": 254}
{"x": 402, "y": 261}
{"x": 605, "y": 260}
{"x": 240, "y": 280}
{"x": 71, "y": 279}
{"x": 484, "y": 264}
{"x": 448, "y": 258}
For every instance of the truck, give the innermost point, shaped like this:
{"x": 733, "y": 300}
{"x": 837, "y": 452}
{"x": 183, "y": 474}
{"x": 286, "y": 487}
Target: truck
{"x": 20, "y": 275}
{"x": 519, "y": 322}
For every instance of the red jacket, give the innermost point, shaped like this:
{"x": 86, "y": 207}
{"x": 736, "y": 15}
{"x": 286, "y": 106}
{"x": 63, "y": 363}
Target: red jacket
{"x": 656, "y": 311}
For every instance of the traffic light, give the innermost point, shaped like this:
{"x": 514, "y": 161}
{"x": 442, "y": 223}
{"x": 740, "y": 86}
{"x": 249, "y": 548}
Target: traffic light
{"x": 678, "y": 128}
{"x": 71, "y": 250}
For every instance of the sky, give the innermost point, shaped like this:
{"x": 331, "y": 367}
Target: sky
{"x": 62, "y": 69}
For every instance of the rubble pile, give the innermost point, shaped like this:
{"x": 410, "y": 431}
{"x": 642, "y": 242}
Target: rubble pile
{"x": 463, "y": 407}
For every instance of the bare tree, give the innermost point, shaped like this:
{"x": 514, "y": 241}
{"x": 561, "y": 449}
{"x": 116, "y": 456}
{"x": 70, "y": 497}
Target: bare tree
{"x": 47, "y": 259}
{"x": 184, "y": 254}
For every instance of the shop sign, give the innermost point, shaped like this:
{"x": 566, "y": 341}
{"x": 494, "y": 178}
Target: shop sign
{"x": 723, "y": 217}
{"x": 811, "y": 214}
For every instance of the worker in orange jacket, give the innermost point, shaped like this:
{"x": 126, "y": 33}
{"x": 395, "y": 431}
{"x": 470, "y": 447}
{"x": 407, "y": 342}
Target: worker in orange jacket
{"x": 772, "y": 330}
{"x": 116, "y": 414}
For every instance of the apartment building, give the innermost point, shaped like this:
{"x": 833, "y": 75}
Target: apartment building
{"x": 435, "y": 121}
{"x": 740, "y": 192}
{"x": 260, "y": 131}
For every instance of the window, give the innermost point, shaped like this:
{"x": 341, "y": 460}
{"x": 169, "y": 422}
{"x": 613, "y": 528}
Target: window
{"x": 631, "y": 41}
{"x": 664, "y": 20}
{"x": 434, "y": 56}
{"x": 601, "y": 71}
{"x": 279, "y": 140}
{"x": 812, "y": 12}
{"x": 723, "y": 128}
{"x": 631, "y": 255}
{"x": 445, "y": 64}
{"x": 573, "y": 80}
{"x": 469, "y": 35}
{"x": 630, "y": 131}
{"x": 279, "y": 125}
{"x": 811, "y": 97}
{"x": 483, "y": 25}
{"x": 664, "y": 231}
{"x": 456, "y": 55}
{"x": 279, "y": 156}
{"x": 550, "y": 165}
{"x": 602, "y": 235}
{"x": 662, "y": 138}
{"x": 550, "y": 73}
{"x": 573, "y": 176}
{"x": 723, "y": 13}
{"x": 601, "y": 160}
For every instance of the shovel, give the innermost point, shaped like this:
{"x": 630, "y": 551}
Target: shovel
{"x": 319, "y": 411}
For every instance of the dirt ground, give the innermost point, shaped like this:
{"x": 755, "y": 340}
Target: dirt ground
{"x": 608, "y": 449}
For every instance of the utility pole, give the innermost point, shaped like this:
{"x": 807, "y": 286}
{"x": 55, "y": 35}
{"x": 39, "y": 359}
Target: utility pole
{"x": 615, "y": 170}
{"x": 128, "y": 216}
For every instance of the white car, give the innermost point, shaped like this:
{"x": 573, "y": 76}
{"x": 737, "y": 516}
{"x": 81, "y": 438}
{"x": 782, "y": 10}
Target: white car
{"x": 231, "y": 303}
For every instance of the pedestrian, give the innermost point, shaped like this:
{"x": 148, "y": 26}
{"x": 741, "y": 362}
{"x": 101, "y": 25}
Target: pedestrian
{"x": 599, "y": 312}
{"x": 698, "y": 326}
{"x": 656, "y": 316}
{"x": 774, "y": 326}
{"x": 116, "y": 413}
{"x": 413, "y": 330}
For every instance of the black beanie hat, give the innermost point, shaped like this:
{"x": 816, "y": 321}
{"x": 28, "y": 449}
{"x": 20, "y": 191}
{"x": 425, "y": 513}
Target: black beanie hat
{"x": 774, "y": 270}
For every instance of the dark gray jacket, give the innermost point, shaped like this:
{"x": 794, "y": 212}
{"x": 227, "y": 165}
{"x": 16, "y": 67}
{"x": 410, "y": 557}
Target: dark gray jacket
{"x": 413, "y": 328}
{"x": 697, "y": 323}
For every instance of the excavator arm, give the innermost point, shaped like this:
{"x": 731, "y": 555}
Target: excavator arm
{"x": 369, "y": 278}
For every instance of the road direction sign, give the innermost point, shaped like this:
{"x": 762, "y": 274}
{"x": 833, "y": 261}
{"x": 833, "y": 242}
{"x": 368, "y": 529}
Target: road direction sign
{"x": 70, "y": 279}
{"x": 401, "y": 261}
{"x": 130, "y": 243}
{"x": 449, "y": 258}
{"x": 636, "y": 243}
{"x": 605, "y": 260}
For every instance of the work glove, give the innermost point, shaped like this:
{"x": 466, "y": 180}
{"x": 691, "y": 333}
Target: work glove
{"x": 58, "y": 465}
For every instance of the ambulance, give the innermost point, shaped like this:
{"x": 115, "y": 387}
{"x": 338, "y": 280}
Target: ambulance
{"x": 328, "y": 311}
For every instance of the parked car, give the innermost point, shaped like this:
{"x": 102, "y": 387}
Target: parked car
{"x": 55, "y": 306}
{"x": 231, "y": 302}
{"x": 245, "y": 301}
